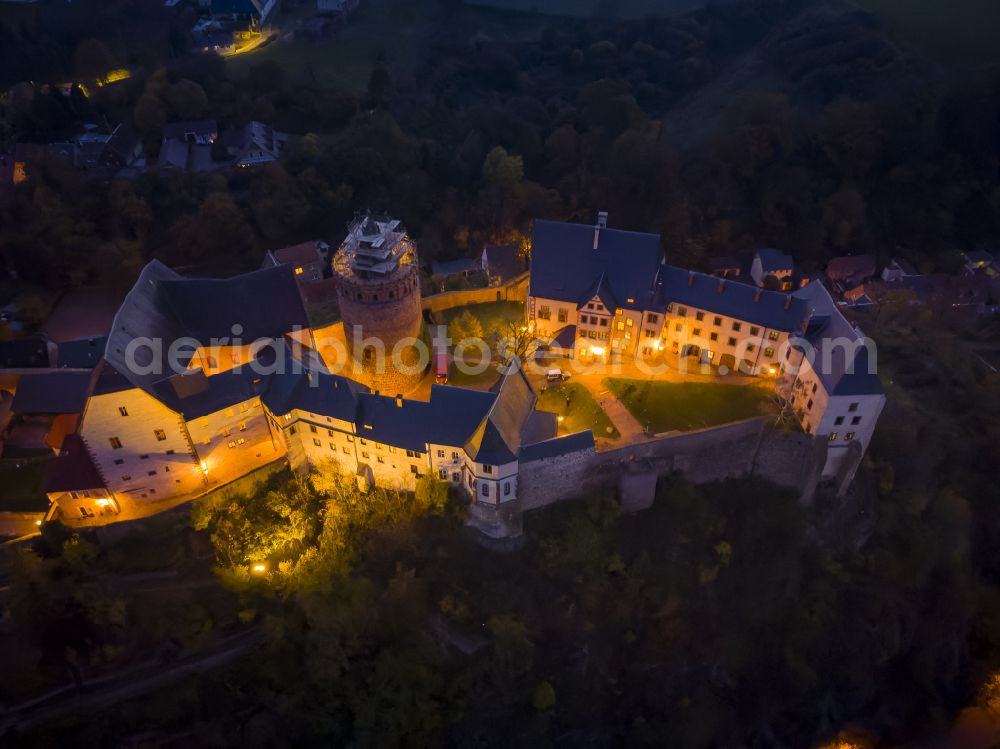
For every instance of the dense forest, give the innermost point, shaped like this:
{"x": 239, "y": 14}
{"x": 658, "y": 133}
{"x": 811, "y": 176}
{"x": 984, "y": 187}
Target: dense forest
{"x": 803, "y": 125}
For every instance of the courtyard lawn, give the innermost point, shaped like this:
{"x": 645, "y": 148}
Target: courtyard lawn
{"x": 491, "y": 315}
{"x": 578, "y": 408}
{"x": 482, "y": 381}
{"x": 668, "y": 406}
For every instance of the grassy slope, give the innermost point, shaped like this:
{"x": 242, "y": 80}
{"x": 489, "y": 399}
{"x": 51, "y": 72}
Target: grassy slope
{"x": 667, "y": 406}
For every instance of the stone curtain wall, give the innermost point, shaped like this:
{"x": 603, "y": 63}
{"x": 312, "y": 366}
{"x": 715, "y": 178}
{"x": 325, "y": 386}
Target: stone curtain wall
{"x": 733, "y": 450}
{"x": 515, "y": 290}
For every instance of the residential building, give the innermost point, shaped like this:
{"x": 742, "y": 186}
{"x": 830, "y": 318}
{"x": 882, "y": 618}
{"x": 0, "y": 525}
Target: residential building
{"x": 898, "y": 269}
{"x": 773, "y": 269}
{"x": 306, "y": 259}
{"x": 596, "y": 285}
{"x": 849, "y": 271}
{"x": 253, "y": 144}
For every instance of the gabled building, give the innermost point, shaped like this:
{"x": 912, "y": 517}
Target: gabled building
{"x": 772, "y": 268}
{"x": 306, "y": 259}
{"x": 849, "y": 271}
{"x": 253, "y": 144}
{"x": 598, "y": 283}
{"x": 834, "y": 390}
{"x": 502, "y": 263}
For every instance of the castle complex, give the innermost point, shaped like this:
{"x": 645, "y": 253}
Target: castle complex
{"x": 205, "y": 380}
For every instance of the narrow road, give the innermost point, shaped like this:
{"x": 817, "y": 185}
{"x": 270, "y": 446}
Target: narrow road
{"x": 111, "y": 689}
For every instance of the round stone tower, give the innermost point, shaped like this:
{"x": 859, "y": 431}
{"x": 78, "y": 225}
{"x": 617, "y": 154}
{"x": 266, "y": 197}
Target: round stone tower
{"x": 378, "y": 288}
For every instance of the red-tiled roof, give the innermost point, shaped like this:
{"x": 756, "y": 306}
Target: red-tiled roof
{"x": 854, "y": 268}
{"x": 297, "y": 254}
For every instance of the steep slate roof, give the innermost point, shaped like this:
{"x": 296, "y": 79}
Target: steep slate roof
{"x": 503, "y": 261}
{"x": 164, "y": 306}
{"x": 564, "y": 263}
{"x": 497, "y": 439}
{"x": 772, "y": 260}
{"x": 52, "y": 393}
{"x": 194, "y": 395}
{"x": 601, "y": 289}
{"x": 29, "y": 352}
{"x": 453, "y": 267}
{"x": 180, "y": 129}
{"x": 558, "y": 446}
{"x": 380, "y": 419}
{"x": 841, "y": 366}
{"x": 323, "y": 394}
{"x": 82, "y": 354}
{"x": 739, "y": 300}
{"x": 302, "y": 253}
{"x": 852, "y": 268}
{"x": 74, "y": 468}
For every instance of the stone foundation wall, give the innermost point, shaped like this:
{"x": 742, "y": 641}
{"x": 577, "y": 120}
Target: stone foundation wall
{"x": 740, "y": 449}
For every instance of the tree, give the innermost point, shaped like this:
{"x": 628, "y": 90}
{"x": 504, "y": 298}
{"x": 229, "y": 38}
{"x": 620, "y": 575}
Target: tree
{"x": 514, "y": 339}
{"x": 465, "y": 325}
{"x": 91, "y": 60}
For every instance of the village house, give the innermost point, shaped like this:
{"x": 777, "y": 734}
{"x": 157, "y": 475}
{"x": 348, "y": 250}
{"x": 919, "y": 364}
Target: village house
{"x": 306, "y": 259}
{"x": 199, "y": 146}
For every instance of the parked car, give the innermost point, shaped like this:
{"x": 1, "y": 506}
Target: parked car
{"x": 556, "y": 375}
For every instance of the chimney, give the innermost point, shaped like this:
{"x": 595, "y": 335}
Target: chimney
{"x": 690, "y": 278}
{"x": 597, "y": 235}
{"x": 788, "y": 301}
{"x": 756, "y": 295}
{"x": 722, "y": 286}
{"x": 602, "y": 219}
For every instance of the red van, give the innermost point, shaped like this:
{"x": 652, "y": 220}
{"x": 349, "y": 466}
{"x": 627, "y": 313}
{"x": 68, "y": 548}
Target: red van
{"x": 441, "y": 365}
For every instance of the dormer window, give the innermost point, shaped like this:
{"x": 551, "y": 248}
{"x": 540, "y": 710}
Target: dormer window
{"x": 487, "y": 468}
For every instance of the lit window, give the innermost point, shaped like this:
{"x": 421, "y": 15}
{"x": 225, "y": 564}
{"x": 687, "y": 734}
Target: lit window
{"x": 773, "y": 335}
{"x": 243, "y": 426}
{"x": 769, "y": 352}
{"x": 298, "y": 271}
{"x": 833, "y": 436}
{"x": 849, "y": 436}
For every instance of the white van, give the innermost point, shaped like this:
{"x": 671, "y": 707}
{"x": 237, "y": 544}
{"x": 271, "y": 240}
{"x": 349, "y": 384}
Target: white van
{"x": 556, "y": 375}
